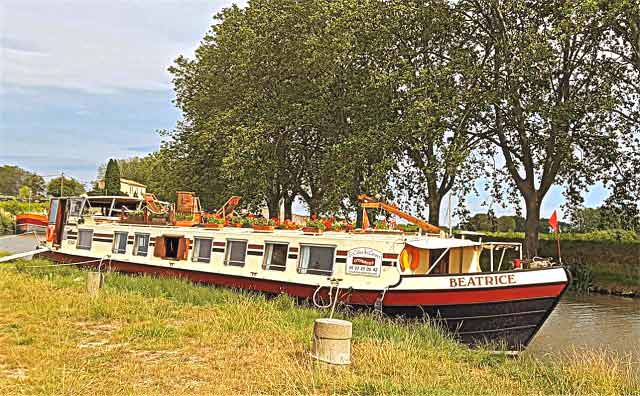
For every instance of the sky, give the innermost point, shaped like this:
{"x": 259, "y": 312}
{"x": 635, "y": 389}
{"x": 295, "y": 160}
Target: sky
{"x": 83, "y": 81}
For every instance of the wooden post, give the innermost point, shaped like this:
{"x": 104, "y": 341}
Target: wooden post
{"x": 332, "y": 341}
{"x": 95, "y": 281}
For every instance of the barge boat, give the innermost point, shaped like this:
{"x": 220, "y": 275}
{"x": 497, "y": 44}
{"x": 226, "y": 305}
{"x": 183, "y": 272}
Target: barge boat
{"x": 411, "y": 275}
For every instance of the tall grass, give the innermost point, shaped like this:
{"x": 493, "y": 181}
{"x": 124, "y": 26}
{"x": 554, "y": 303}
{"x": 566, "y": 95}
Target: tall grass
{"x": 144, "y": 335}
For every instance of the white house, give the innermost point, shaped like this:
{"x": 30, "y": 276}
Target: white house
{"x": 130, "y": 187}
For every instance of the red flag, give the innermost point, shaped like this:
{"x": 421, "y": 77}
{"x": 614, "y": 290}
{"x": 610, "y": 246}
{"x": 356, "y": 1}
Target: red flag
{"x": 553, "y": 222}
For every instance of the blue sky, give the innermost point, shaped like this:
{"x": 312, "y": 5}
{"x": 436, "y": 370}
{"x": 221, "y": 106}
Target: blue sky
{"x": 83, "y": 81}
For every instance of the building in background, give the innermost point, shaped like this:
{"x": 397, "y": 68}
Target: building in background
{"x": 130, "y": 187}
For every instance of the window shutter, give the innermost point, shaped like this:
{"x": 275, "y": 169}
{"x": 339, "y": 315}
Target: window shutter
{"x": 186, "y": 250}
{"x": 182, "y": 249}
{"x": 159, "y": 249}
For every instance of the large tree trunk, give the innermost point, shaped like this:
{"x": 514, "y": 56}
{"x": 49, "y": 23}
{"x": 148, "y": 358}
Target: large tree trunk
{"x": 435, "y": 202}
{"x": 288, "y": 208}
{"x": 273, "y": 204}
{"x": 531, "y": 225}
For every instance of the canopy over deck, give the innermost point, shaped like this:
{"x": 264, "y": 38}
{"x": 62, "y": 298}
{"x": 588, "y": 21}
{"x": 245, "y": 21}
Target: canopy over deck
{"x": 441, "y": 243}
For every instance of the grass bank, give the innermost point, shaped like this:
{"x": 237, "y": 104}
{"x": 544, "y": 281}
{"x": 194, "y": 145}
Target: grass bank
{"x": 165, "y": 336}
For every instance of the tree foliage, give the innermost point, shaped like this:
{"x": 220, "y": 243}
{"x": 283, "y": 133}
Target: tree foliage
{"x": 67, "y": 185}
{"x": 409, "y": 99}
{"x": 112, "y": 178}
{"x": 13, "y": 178}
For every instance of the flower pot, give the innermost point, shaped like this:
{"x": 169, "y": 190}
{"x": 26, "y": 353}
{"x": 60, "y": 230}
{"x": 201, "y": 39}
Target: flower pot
{"x": 216, "y": 226}
{"x": 184, "y": 223}
{"x": 258, "y": 227}
{"x": 158, "y": 221}
{"x": 134, "y": 220}
{"x": 312, "y": 230}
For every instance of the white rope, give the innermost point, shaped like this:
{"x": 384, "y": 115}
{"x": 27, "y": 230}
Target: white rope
{"x": 333, "y": 300}
{"x": 56, "y": 265}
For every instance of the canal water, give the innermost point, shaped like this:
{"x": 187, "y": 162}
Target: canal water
{"x": 591, "y": 322}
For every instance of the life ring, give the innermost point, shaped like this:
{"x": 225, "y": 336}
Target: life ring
{"x": 410, "y": 258}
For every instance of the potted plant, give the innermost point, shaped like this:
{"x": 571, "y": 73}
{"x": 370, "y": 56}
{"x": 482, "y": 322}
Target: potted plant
{"x": 313, "y": 226}
{"x": 287, "y": 225}
{"x": 158, "y": 218}
{"x": 184, "y": 220}
{"x": 214, "y": 222}
{"x": 135, "y": 217}
{"x": 263, "y": 224}
{"x": 234, "y": 221}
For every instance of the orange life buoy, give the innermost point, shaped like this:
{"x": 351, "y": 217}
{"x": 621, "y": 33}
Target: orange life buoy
{"x": 405, "y": 259}
{"x": 415, "y": 258}
{"x": 410, "y": 258}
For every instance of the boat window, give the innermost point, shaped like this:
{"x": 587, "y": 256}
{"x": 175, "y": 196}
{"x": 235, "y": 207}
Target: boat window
{"x": 53, "y": 211}
{"x": 75, "y": 207}
{"x": 317, "y": 260}
{"x": 236, "y": 252}
{"x": 275, "y": 256}
{"x": 202, "y": 249}
{"x": 84, "y": 239}
{"x": 443, "y": 265}
{"x": 120, "y": 242}
{"x": 141, "y": 244}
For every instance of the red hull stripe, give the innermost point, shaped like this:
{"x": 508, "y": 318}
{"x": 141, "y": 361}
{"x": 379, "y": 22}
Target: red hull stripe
{"x": 408, "y": 298}
{"x": 472, "y": 296}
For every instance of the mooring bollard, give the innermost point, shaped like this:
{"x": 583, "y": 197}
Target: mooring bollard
{"x": 332, "y": 341}
{"x": 95, "y": 281}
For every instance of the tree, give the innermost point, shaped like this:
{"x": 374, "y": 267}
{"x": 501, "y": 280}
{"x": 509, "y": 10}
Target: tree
{"x": 435, "y": 103}
{"x": 112, "y": 178}
{"x": 12, "y": 178}
{"x": 506, "y": 224}
{"x": 272, "y": 101}
{"x": 551, "y": 93}
{"x": 25, "y": 193}
{"x": 70, "y": 187}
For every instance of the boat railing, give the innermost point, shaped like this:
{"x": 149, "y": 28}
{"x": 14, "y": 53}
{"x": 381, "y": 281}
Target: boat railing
{"x": 503, "y": 247}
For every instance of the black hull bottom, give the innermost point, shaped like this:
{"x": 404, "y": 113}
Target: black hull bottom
{"x": 500, "y": 326}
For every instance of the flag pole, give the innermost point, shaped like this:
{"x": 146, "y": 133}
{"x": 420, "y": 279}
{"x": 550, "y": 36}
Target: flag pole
{"x": 558, "y": 243}
{"x": 553, "y": 222}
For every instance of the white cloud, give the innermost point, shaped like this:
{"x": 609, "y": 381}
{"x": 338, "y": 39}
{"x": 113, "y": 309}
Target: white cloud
{"x": 99, "y": 46}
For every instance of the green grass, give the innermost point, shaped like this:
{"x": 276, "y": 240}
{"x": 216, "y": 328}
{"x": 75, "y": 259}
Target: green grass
{"x": 145, "y": 335}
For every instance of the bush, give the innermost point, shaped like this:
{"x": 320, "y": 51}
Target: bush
{"x": 18, "y": 207}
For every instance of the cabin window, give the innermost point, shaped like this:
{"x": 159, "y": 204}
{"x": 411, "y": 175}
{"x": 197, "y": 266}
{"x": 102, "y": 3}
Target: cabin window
{"x": 202, "y": 250}
{"x": 443, "y": 265}
{"x": 53, "y": 211}
{"x": 275, "y": 256}
{"x": 120, "y": 242}
{"x": 317, "y": 260}
{"x": 75, "y": 207}
{"x": 171, "y": 247}
{"x": 141, "y": 245}
{"x": 236, "y": 253}
{"x": 84, "y": 239}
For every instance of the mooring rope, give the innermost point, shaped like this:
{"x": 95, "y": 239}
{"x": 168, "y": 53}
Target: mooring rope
{"x": 333, "y": 299}
{"x": 54, "y": 265}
